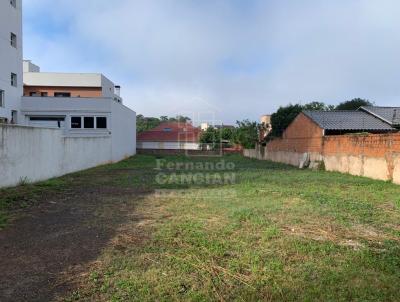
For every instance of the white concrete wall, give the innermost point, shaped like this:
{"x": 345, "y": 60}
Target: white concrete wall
{"x": 123, "y": 131}
{"x": 10, "y": 57}
{"x": 121, "y": 121}
{"x": 63, "y": 79}
{"x": 371, "y": 167}
{"x": 28, "y": 66}
{"x": 168, "y": 145}
{"x": 38, "y": 154}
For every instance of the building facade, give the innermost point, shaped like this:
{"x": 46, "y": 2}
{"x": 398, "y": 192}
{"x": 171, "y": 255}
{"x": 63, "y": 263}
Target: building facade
{"x": 11, "y": 86}
{"x": 170, "y": 136}
{"x": 53, "y": 84}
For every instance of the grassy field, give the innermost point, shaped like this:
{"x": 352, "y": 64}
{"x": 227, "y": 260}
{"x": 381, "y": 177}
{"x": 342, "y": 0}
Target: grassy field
{"x": 270, "y": 233}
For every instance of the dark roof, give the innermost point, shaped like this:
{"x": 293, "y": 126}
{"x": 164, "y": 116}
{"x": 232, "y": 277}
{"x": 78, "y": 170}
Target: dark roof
{"x": 390, "y": 115}
{"x": 174, "y": 126}
{"x": 347, "y": 120}
{"x": 174, "y": 136}
{"x": 171, "y": 132}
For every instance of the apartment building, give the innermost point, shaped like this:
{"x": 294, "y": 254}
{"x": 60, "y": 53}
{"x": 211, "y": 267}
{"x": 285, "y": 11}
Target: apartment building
{"x": 54, "y": 84}
{"x": 11, "y": 87}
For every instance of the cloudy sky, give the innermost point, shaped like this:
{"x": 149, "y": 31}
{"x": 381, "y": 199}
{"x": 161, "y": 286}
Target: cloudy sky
{"x": 223, "y": 59}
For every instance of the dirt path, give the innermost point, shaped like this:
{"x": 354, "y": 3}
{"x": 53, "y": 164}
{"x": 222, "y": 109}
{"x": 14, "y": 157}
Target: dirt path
{"x": 44, "y": 250}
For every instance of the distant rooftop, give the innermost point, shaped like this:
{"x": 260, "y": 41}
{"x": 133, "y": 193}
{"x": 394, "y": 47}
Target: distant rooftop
{"x": 391, "y": 115}
{"x": 34, "y": 77}
{"x": 171, "y": 132}
{"x": 347, "y": 120}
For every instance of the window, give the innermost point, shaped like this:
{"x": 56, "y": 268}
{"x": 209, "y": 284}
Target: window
{"x": 13, "y": 39}
{"x": 34, "y": 94}
{"x": 76, "y": 122}
{"x": 62, "y": 94}
{"x": 14, "y": 117}
{"x": 167, "y": 129}
{"x": 1, "y": 98}
{"x": 14, "y": 80}
{"x": 44, "y": 94}
{"x": 101, "y": 122}
{"x": 88, "y": 122}
{"x": 13, "y": 3}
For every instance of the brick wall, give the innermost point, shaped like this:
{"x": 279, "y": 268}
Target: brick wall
{"x": 372, "y": 155}
{"x": 302, "y": 135}
{"x": 84, "y": 92}
{"x": 372, "y": 145}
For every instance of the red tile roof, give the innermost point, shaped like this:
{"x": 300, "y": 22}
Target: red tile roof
{"x": 171, "y": 132}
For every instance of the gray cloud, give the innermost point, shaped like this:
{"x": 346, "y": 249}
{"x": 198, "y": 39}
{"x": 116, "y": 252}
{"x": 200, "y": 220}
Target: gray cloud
{"x": 239, "y": 59}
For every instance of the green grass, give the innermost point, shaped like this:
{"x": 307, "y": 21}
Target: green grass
{"x": 25, "y": 195}
{"x": 281, "y": 234}
{"x": 276, "y": 234}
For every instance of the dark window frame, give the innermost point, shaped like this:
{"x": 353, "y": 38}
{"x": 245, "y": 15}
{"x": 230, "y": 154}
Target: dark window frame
{"x": 2, "y": 98}
{"x": 13, "y": 40}
{"x": 103, "y": 123}
{"x": 72, "y": 122}
{"x": 14, "y": 79}
{"x": 62, "y": 94}
{"x": 88, "y": 122}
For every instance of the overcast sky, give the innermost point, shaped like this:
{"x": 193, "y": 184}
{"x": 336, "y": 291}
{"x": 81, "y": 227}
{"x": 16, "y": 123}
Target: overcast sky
{"x": 223, "y": 59}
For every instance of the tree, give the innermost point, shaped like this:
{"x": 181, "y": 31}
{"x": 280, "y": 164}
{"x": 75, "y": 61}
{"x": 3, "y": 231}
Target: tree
{"x": 211, "y": 136}
{"x": 320, "y": 106}
{"x": 146, "y": 123}
{"x": 354, "y": 104}
{"x": 247, "y": 134}
{"x": 180, "y": 119}
{"x": 227, "y": 134}
{"x": 281, "y": 119}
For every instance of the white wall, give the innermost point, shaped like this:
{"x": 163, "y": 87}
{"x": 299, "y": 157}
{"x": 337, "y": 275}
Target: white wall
{"x": 123, "y": 131}
{"x": 10, "y": 57}
{"x": 121, "y": 124}
{"x": 62, "y": 79}
{"x": 168, "y": 145}
{"x": 39, "y": 154}
{"x": 28, "y": 66}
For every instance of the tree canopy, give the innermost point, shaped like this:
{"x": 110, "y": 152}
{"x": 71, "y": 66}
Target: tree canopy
{"x": 281, "y": 119}
{"x": 285, "y": 115}
{"x": 148, "y": 123}
{"x": 353, "y": 104}
{"x": 247, "y": 134}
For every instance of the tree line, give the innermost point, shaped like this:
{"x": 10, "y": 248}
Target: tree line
{"x": 247, "y": 133}
{"x": 148, "y": 123}
{"x": 285, "y": 115}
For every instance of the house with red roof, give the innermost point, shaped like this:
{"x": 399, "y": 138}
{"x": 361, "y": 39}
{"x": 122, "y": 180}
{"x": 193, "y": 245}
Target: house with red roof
{"x": 170, "y": 136}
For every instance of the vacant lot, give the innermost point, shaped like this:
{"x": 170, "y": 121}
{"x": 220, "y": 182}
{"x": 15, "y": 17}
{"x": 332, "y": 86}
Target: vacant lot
{"x": 255, "y": 231}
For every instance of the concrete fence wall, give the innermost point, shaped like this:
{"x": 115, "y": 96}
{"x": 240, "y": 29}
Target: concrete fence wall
{"x": 375, "y": 156}
{"x": 35, "y": 154}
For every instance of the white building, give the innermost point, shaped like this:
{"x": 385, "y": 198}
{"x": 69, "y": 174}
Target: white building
{"x": 66, "y": 122}
{"x": 10, "y": 60}
{"x": 57, "y": 84}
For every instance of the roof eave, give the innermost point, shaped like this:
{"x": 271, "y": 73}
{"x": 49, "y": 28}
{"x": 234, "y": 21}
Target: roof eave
{"x": 376, "y": 115}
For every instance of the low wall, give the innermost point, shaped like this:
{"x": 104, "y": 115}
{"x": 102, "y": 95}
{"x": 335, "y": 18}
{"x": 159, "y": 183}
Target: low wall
{"x": 35, "y": 154}
{"x": 186, "y": 152}
{"x": 375, "y": 156}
